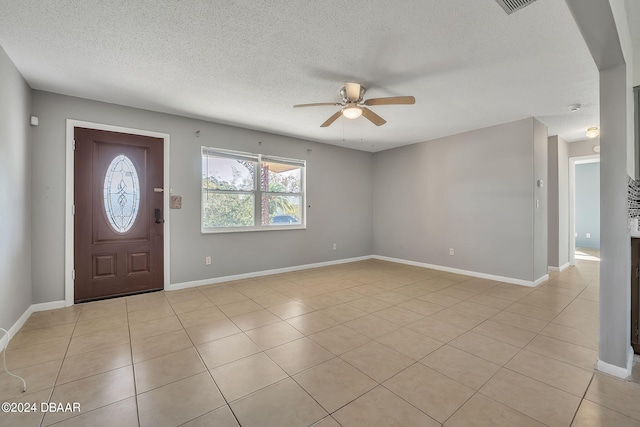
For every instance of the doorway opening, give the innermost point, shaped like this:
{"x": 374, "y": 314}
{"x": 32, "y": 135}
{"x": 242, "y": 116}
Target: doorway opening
{"x": 584, "y": 209}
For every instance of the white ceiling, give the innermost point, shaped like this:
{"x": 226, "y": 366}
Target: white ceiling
{"x": 468, "y": 64}
{"x": 633, "y": 15}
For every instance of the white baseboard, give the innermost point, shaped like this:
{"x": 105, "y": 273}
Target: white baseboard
{"x": 28, "y": 312}
{"x": 466, "y": 272}
{"x": 614, "y": 370}
{"x": 214, "y": 280}
{"x": 44, "y": 306}
{"x": 561, "y": 268}
{"x": 540, "y": 280}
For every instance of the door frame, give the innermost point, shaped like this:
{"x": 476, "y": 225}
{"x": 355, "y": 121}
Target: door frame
{"x": 573, "y": 161}
{"x": 69, "y": 199}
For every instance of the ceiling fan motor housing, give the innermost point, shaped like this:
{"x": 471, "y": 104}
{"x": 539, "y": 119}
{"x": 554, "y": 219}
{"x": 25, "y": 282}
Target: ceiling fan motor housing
{"x": 346, "y": 100}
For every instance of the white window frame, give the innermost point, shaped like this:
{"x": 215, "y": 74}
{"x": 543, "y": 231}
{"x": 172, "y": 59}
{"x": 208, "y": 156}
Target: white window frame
{"x": 257, "y": 192}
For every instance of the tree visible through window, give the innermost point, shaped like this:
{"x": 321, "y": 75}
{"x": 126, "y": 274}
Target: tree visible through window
{"x": 244, "y": 191}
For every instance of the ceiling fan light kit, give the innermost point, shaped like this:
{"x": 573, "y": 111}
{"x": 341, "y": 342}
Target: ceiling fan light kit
{"x": 354, "y": 105}
{"x": 592, "y": 132}
{"x": 352, "y": 112}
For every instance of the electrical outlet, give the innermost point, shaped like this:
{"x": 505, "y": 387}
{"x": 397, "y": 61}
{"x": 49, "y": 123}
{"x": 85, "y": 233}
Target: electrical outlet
{"x": 335, "y": 246}
{"x": 207, "y": 260}
{"x": 451, "y": 251}
{"x": 588, "y": 235}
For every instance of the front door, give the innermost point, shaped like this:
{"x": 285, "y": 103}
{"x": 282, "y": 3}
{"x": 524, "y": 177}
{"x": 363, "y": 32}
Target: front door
{"x": 118, "y": 220}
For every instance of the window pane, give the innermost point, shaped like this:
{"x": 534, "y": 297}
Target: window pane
{"x": 250, "y": 191}
{"x": 280, "y": 178}
{"x": 227, "y": 174}
{"x": 227, "y": 210}
{"x": 121, "y": 193}
{"x": 282, "y": 210}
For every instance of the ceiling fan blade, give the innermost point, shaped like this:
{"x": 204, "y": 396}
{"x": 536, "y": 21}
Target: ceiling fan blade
{"x": 391, "y": 100}
{"x": 317, "y": 104}
{"x": 353, "y": 90}
{"x": 373, "y": 117}
{"x": 331, "y": 119}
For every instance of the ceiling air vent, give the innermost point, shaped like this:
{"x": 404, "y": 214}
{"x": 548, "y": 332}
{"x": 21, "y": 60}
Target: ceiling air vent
{"x": 511, "y": 6}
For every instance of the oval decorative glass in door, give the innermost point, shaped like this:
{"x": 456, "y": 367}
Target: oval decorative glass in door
{"x": 121, "y": 193}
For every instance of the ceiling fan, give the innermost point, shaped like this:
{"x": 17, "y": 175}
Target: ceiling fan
{"x": 353, "y": 105}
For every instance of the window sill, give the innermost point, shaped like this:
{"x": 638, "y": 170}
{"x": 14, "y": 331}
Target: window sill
{"x": 252, "y": 229}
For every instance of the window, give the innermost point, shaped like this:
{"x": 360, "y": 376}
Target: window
{"x": 249, "y": 192}
{"x": 121, "y": 193}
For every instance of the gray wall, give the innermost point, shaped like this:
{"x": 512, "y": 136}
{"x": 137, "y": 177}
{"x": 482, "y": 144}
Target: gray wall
{"x": 615, "y": 264}
{"x": 583, "y": 148}
{"x": 552, "y": 207}
{"x": 473, "y": 192}
{"x": 15, "y": 193}
{"x": 558, "y": 202}
{"x": 588, "y": 205}
{"x": 606, "y": 42}
{"x": 339, "y": 190}
{"x": 563, "y": 204}
{"x": 540, "y": 205}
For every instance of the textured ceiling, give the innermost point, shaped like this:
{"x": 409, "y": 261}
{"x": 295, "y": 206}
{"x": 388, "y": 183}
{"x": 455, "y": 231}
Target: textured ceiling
{"x": 633, "y": 16}
{"x": 468, "y": 64}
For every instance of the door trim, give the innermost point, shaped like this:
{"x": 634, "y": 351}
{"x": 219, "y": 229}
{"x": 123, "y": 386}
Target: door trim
{"x": 69, "y": 199}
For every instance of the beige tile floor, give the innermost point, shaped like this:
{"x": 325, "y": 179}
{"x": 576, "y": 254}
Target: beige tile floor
{"x": 362, "y": 344}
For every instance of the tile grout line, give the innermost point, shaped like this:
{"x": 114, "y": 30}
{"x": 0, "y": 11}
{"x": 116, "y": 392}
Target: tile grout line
{"x": 206, "y": 369}
{"x": 133, "y": 365}
{"x": 60, "y": 370}
{"x": 361, "y": 296}
{"x": 75, "y": 324}
{"x": 575, "y": 414}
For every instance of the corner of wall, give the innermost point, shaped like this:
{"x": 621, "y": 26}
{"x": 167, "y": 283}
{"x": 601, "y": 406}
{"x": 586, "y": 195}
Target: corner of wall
{"x": 15, "y": 228}
{"x": 540, "y": 145}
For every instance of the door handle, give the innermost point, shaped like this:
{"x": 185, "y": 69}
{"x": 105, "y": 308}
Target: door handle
{"x": 159, "y": 219}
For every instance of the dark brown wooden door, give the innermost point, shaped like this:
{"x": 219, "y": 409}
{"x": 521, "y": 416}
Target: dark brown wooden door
{"x": 118, "y": 221}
